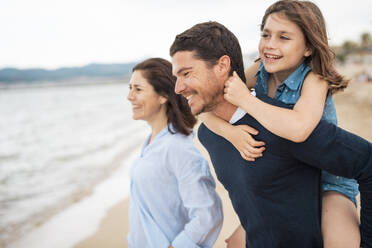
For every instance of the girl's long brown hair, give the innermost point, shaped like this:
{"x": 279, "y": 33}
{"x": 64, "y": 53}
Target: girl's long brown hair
{"x": 158, "y": 73}
{"x": 311, "y": 21}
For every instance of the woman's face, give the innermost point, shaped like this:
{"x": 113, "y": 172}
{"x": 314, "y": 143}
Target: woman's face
{"x": 147, "y": 105}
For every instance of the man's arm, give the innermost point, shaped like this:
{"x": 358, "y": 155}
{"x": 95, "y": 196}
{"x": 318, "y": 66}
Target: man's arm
{"x": 344, "y": 154}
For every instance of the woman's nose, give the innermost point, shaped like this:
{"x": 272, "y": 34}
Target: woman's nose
{"x": 130, "y": 96}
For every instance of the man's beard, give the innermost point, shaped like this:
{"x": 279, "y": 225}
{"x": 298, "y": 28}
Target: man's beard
{"x": 211, "y": 105}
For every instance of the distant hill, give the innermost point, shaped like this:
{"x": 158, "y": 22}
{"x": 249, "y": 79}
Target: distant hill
{"x": 13, "y": 75}
{"x": 91, "y": 71}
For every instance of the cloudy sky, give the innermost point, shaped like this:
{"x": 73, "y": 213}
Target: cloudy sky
{"x": 55, "y": 33}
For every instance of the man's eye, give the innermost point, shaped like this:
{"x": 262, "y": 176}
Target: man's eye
{"x": 185, "y": 74}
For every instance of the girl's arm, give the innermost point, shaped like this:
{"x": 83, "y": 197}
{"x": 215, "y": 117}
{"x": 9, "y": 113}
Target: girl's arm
{"x": 250, "y": 74}
{"x": 239, "y": 136}
{"x": 295, "y": 125}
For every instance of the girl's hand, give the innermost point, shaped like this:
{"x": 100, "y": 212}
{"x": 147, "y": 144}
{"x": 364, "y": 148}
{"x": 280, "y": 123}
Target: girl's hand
{"x": 235, "y": 90}
{"x": 241, "y": 138}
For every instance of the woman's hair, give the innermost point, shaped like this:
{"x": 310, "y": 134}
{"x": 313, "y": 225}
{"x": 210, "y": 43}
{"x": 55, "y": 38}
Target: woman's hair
{"x": 158, "y": 73}
{"x": 311, "y": 21}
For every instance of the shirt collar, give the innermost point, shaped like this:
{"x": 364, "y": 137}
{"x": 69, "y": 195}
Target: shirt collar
{"x": 163, "y": 132}
{"x": 291, "y": 82}
{"x": 239, "y": 113}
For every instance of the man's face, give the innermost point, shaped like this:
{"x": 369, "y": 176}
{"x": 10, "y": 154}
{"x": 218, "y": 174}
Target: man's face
{"x": 197, "y": 82}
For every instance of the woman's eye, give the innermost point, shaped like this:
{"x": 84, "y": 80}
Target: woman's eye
{"x": 284, "y": 38}
{"x": 185, "y": 74}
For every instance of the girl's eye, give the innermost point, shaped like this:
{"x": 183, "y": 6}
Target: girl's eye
{"x": 264, "y": 35}
{"x": 284, "y": 37}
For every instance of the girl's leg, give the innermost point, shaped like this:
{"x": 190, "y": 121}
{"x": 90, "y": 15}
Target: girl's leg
{"x": 237, "y": 239}
{"x": 340, "y": 221}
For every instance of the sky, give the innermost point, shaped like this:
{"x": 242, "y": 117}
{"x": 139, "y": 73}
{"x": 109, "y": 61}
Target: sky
{"x": 59, "y": 33}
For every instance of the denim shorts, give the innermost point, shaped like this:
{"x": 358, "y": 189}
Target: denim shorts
{"x": 347, "y": 187}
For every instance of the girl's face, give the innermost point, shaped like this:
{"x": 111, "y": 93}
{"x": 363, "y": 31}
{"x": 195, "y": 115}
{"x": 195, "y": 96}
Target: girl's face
{"x": 147, "y": 105}
{"x": 282, "y": 46}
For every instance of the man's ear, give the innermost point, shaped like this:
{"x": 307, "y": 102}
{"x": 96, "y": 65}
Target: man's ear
{"x": 223, "y": 66}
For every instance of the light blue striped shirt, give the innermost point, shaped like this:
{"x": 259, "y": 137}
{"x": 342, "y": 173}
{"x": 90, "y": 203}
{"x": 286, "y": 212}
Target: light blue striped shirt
{"x": 173, "y": 197}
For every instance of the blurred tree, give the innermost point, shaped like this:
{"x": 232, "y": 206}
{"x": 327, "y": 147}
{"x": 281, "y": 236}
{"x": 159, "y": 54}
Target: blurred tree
{"x": 349, "y": 46}
{"x": 365, "y": 39}
{"x": 341, "y": 58}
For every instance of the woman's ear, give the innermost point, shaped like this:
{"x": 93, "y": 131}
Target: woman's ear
{"x": 162, "y": 99}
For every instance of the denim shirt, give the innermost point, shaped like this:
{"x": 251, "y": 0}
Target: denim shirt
{"x": 289, "y": 91}
{"x": 173, "y": 198}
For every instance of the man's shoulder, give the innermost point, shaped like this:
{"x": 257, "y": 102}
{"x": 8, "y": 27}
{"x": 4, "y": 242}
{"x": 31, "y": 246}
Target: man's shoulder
{"x": 271, "y": 101}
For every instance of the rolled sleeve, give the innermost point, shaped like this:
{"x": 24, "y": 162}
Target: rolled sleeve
{"x": 183, "y": 241}
{"x": 197, "y": 189}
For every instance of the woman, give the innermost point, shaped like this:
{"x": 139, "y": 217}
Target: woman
{"x": 173, "y": 198}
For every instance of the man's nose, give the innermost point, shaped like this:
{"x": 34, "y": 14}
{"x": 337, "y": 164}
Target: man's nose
{"x": 180, "y": 86}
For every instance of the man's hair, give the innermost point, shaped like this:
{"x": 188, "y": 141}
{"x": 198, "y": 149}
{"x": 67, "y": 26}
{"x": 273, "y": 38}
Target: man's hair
{"x": 210, "y": 41}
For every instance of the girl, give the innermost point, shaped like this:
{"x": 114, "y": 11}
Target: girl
{"x": 173, "y": 198}
{"x": 296, "y": 67}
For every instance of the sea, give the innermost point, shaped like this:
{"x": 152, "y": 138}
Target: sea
{"x": 57, "y": 142}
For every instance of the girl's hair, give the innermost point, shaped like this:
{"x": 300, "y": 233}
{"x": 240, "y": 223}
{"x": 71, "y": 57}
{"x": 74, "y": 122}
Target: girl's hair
{"x": 311, "y": 21}
{"x": 158, "y": 73}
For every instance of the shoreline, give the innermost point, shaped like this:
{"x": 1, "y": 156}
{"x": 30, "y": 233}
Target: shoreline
{"x": 81, "y": 219}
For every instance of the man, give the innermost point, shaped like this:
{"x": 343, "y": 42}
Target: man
{"x": 277, "y": 197}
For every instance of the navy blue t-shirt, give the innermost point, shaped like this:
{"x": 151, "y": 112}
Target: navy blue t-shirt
{"x": 278, "y": 196}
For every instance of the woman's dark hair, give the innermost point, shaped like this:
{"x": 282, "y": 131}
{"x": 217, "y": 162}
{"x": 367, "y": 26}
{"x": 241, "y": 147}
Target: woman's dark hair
{"x": 158, "y": 73}
{"x": 309, "y": 18}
